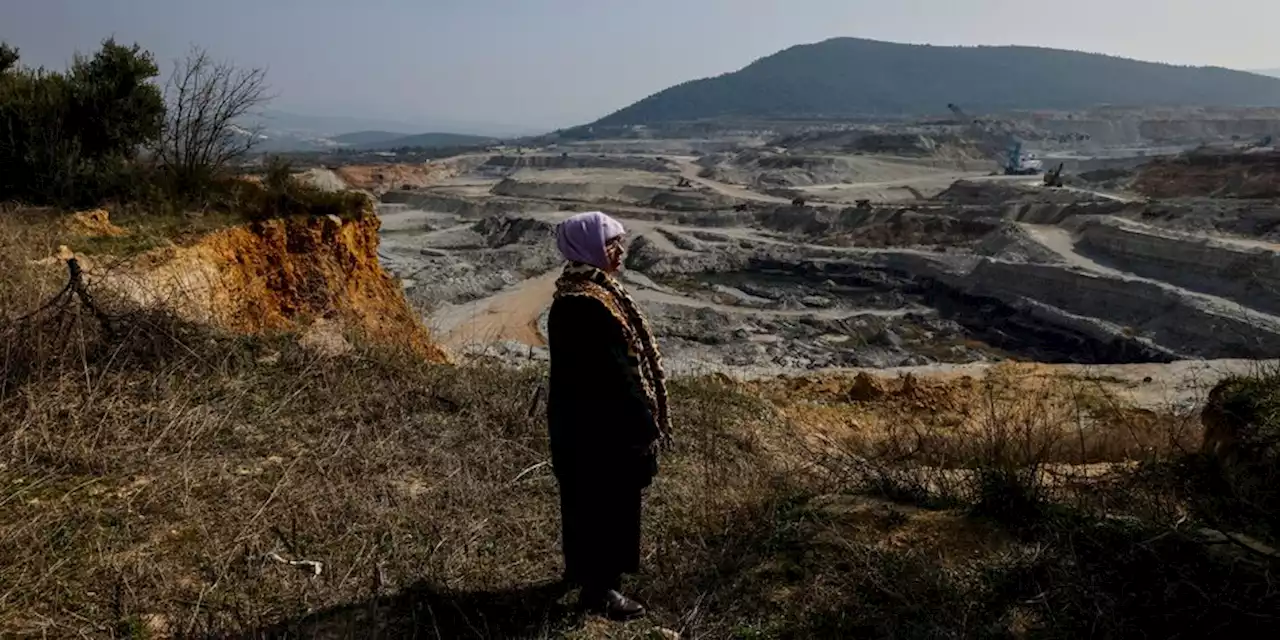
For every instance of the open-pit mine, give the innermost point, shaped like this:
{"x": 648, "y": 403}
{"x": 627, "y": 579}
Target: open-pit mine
{"x": 770, "y": 252}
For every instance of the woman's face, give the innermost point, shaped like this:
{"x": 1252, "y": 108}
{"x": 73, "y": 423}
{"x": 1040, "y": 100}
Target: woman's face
{"x": 614, "y": 250}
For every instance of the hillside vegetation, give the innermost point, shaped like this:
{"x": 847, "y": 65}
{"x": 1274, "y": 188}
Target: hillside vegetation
{"x": 850, "y": 76}
{"x": 75, "y": 135}
{"x": 367, "y": 137}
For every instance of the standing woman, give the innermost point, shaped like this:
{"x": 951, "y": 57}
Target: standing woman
{"x": 607, "y": 412}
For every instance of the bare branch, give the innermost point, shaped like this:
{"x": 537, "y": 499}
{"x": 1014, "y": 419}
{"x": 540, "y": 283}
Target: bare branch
{"x": 204, "y": 131}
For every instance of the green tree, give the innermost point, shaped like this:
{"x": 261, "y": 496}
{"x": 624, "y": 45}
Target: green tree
{"x": 8, "y": 57}
{"x": 69, "y": 137}
{"x": 39, "y": 153}
{"x": 118, "y": 107}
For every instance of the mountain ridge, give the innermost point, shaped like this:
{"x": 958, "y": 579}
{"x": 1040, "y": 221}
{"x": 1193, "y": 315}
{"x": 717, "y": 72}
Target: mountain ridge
{"x": 844, "y": 77}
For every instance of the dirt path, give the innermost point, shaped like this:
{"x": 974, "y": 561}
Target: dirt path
{"x": 1104, "y": 195}
{"x": 1061, "y": 242}
{"x": 510, "y": 314}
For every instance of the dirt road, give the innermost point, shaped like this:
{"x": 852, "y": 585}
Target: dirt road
{"x": 511, "y": 314}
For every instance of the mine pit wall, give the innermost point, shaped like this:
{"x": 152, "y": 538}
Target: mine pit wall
{"x": 1054, "y": 313}
{"x": 1249, "y": 218}
{"x": 1137, "y": 130}
{"x": 578, "y": 191}
{"x": 813, "y": 220}
{"x": 1105, "y": 131}
{"x": 1212, "y": 173}
{"x": 1168, "y": 318}
{"x": 500, "y": 164}
{"x": 1200, "y": 129}
{"x": 1073, "y": 165}
{"x": 1030, "y": 329}
{"x": 466, "y": 207}
{"x": 1250, "y": 276}
{"x": 1054, "y": 213}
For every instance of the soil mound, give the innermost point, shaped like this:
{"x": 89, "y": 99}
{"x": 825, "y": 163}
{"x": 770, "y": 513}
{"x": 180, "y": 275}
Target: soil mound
{"x": 322, "y": 179}
{"x": 95, "y": 223}
{"x": 501, "y": 231}
{"x": 381, "y": 178}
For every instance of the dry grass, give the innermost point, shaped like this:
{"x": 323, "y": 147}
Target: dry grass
{"x": 38, "y": 232}
{"x": 162, "y": 219}
{"x": 1025, "y": 413}
{"x": 157, "y": 480}
{"x": 153, "y": 479}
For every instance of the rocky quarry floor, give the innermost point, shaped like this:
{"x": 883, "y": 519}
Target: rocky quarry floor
{"x": 736, "y": 279}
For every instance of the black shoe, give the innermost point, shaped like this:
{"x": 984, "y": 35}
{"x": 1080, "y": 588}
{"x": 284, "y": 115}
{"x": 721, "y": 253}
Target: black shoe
{"x": 613, "y": 605}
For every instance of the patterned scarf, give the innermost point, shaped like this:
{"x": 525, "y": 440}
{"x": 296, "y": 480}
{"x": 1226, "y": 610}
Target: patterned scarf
{"x": 581, "y": 279}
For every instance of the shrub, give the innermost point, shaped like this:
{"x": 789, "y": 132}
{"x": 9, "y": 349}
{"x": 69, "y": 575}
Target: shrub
{"x": 280, "y": 195}
{"x": 1239, "y": 475}
{"x": 70, "y": 136}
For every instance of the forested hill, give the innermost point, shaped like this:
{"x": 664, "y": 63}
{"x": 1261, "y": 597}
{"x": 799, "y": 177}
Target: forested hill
{"x": 850, "y": 76}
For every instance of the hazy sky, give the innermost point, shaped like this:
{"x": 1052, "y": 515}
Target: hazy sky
{"x": 548, "y": 63}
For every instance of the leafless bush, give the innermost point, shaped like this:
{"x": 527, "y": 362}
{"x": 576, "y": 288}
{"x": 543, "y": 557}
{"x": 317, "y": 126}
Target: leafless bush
{"x": 205, "y": 128}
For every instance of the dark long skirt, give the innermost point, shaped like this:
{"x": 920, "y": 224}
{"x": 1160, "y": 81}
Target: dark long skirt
{"x": 601, "y": 532}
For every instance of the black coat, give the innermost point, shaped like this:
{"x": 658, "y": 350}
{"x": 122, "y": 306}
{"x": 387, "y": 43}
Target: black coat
{"x": 602, "y": 428}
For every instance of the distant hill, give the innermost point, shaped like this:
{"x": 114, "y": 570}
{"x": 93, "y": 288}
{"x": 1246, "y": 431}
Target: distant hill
{"x": 360, "y": 138}
{"x": 425, "y": 141}
{"x": 851, "y": 76}
{"x": 330, "y": 125}
{"x": 1269, "y": 72}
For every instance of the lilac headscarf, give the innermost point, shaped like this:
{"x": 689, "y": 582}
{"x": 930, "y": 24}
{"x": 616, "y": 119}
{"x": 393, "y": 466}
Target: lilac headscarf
{"x": 582, "y": 237}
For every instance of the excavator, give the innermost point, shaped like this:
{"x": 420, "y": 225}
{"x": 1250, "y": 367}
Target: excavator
{"x": 1018, "y": 163}
{"x": 1264, "y": 143}
{"x": 1054, "y": 178}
